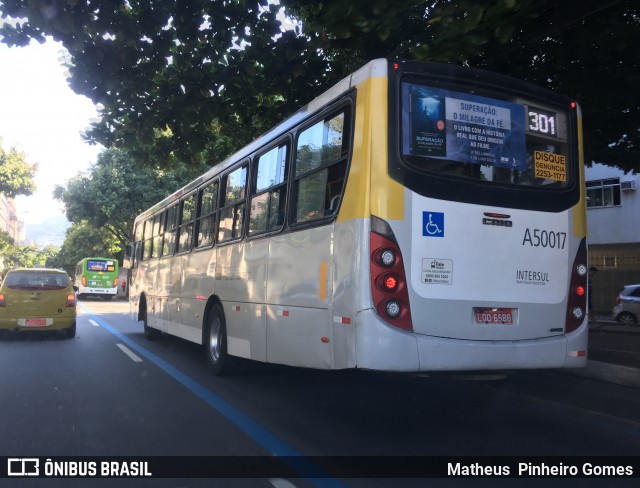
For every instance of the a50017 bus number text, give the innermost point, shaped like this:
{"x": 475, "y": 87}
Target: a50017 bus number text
{"x": 544, "y": 238}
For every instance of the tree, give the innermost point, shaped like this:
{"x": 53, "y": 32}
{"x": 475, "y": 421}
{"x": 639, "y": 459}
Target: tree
{"x": 588, "y": 52}
{"x": 16, "y": 255}
{"x": 24, "y": 257}
{"x": 16, "y": 175}
{"x": 115, "y": 191}
{"x": 190, "y": 81}
{"x": 6, "y": 242}
{"x": 179, "y": 81}
{"x": 81, "y": 241}
{"x": 50, "y": 253}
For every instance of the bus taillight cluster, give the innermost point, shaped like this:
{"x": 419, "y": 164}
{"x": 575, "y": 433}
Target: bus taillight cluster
{"x": 388, "y": 281}
{"x": 577, "y": 302}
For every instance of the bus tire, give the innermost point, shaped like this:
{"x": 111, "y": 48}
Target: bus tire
{"x": 215, "y": 342}
{"x": 149, "y": 332}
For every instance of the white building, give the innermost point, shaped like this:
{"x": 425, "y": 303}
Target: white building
{"x": 613, "y": 215}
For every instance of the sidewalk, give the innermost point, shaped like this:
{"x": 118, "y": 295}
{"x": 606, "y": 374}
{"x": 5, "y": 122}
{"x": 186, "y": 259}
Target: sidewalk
{"x": 614, "y": 353}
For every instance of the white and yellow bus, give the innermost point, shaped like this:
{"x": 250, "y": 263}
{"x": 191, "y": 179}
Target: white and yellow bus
{"x": 414, "y": 217}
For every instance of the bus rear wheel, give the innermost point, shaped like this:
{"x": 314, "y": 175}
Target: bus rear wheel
{"x": 215, "y": 343}
{"x": 149, "y": 332}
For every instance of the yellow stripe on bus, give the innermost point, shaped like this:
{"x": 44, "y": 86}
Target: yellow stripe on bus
{"x": 370, "y": 190}
{"x": 579, "y": 210}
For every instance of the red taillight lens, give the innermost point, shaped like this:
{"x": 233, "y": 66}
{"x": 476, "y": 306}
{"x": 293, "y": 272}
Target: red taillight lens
{"x": 84, "y": 281}
{"x": 618, "y": 300}
{"x": 2, "y": 302}
{"x": 115, "y": 282}
{"x": 388, "y": 283}
{"x": 388, "y": 280}
{"x": 71, "y": 300}
{"x": 577, "y": 301}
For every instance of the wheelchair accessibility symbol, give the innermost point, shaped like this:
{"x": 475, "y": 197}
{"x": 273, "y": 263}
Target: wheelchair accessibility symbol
{"x": 432, "y": 224}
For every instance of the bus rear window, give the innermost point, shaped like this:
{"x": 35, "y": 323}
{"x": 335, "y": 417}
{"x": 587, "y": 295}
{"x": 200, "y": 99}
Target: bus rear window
{"x": 502, "y": 140}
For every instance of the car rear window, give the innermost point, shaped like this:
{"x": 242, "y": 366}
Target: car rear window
{"x": 36, "y": 281}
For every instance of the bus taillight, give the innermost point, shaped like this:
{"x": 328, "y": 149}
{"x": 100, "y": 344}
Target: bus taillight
{"x": 115, "y": 282}
{"x": 84, "y": 280}
{"x": 389, "y": 283}
{"x": 388, "y": 280}
{"x": 577, "y": 300}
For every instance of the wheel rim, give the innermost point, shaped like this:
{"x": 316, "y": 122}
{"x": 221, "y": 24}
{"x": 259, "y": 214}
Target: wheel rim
{"x": 626, "y": 319}
{"x": 215, "y": 340}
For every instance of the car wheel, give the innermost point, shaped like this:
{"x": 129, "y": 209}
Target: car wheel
{"x": 626, "y": 318}
{"x": 215, "y": 343}
{"x": 149, "y": 332}
{"x": 70, "y": 333}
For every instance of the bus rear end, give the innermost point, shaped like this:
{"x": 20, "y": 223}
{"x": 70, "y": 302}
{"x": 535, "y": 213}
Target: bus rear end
{"x": 482, "y": 263}
{"x": 97, "y": 277}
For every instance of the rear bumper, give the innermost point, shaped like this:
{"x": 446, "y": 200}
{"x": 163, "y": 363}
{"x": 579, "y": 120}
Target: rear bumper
{"x": 97, "y": 291}
{"x": 385, "y": 348}
{"x": 57, "y": 323}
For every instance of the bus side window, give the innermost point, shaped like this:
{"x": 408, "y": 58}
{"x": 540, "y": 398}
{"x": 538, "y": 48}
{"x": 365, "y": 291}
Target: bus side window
{"x": 148, "y": 239}
{"x": 321, "y": 165}
{"x": 207, "y": 205}
{"x": 234, "y": 188}
{"x": 158, "y": 234}
{"x": 268, "y": 201}
{"x": 169, "y": 246}
{"x": 137, "y": 244}
{"x": 185, "y": 230}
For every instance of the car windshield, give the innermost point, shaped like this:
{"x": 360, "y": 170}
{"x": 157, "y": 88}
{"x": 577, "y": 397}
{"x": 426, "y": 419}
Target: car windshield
{"x": 36, "y": 281}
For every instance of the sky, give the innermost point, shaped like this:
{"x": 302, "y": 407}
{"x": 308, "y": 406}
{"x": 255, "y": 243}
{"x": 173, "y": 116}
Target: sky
{"x": 42, "y": 117}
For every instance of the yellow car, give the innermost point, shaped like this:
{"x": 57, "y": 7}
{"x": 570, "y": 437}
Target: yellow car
{"x": 38, "y": 299}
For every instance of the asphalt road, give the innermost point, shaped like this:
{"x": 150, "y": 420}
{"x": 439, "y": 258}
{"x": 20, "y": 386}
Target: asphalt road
{"x": 109, "y": 392}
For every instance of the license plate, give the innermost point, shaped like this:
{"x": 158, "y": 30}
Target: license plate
{"x": 493, "y": 315}
{"x": 35, "y": 322}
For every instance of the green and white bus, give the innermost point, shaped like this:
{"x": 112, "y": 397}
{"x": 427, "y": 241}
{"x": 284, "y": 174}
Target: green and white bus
{"x": 414, "y": 217}
{"x": 97, "y": 277}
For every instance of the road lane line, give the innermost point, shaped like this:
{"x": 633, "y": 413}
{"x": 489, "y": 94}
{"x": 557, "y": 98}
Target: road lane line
{"x": 129, "y": 352}
{"x": 271, "y": 443}
{"x": 94, "y": 323}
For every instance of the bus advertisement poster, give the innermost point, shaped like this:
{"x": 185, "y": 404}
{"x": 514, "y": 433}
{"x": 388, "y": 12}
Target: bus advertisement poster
{"x": 428, "y": 136}
{"x": 462, "y": 127}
